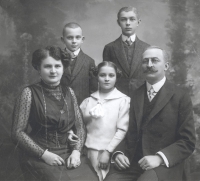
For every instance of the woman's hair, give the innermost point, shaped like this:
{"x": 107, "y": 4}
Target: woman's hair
{"x": 52, "y": 51}
{"x": 106, "y": 64}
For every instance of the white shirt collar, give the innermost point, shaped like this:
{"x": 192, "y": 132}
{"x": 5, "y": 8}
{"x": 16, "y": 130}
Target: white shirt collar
{"x": 114, "y": 94}
{"x": 75, "y": 52}
{"x": 124, "y": 38}
{"x": 157, "y": 86}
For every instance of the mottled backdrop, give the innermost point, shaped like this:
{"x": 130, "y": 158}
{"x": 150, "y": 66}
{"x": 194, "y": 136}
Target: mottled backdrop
{"x": 30, "y": 24}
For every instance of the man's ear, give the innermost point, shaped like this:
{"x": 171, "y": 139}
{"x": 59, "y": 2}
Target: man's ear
{"x": 139, "y": 21}
{"x": 166, "y": 66}
{"x": 83, "y": 38}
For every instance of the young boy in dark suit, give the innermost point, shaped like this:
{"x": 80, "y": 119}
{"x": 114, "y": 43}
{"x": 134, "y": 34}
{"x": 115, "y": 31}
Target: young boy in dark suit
{"x": 126, "y": 51}
{"x": 77, "y": 75}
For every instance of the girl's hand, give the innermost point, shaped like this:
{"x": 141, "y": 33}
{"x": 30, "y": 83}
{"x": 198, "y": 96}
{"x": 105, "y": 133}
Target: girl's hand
{"x": 74, "y": 159}
{"x": 104, "y": 160}
{"x": 73, "y": 139}
{"x": 52, "y": 159}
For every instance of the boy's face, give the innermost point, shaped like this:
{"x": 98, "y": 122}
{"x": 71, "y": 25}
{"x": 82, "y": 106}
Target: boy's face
{"x": 128, "y": 22}
{"x": 72, "y": 38}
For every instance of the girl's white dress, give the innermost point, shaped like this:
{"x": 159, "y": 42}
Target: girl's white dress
{"x": 106, "y": 123}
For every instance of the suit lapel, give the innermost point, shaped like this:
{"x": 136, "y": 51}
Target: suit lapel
{"x": 164, "y": 96}
{"x": 139, "y": 104}
{"x": 136, "y": 56}
{"x": 121, "y": 56}
{"x": 78, "y": 65}
{"x": 67, "y": 73}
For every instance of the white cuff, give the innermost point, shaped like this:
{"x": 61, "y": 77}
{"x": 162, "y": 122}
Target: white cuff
{"x": 43, "y": 154}
{"x": 70, "y": 131}
{"x": 112, "y": 161}
{"x": 164, "y": 158}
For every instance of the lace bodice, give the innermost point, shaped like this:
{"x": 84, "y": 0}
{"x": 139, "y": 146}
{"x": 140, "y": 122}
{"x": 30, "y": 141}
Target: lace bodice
{"x": 30, "y": 111}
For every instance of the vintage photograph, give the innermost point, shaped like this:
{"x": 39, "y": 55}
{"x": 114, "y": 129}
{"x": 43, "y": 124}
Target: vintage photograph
{"x": 100, "y": 90}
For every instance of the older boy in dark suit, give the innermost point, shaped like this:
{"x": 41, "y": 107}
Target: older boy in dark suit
{"x": 161, "y": 131}
{"x": 126, "y": 51}
{"x": 77, "y": 75}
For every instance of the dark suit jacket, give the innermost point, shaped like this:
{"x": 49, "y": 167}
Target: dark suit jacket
{"x": 81, "y": 80}
{"x": 169, "y": 128}
{"x": 132, "y": 76}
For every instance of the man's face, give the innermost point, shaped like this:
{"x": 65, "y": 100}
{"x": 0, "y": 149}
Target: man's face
{"x": 128, "y": 22}
{"x": 154, "y": 65}
{"x": 72, "y": 38}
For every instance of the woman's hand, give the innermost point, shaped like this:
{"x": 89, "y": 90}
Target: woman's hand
{"x": 104, "y": 160}
{"x": 74, "y": 159}
{"x": 73, "y": 139}
{"x": 52, "y": 159}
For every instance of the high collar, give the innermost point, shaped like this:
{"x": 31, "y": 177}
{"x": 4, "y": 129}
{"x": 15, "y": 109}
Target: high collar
{"x": 49, "y": 86}
{"x": 132, "y": 37}
{"x": 75, "y": 52}
{"x": 114, "y": 94}
{"x": 157, "y": 86}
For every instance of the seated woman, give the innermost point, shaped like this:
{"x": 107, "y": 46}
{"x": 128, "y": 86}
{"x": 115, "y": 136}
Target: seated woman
{"x": 51, "y": 110}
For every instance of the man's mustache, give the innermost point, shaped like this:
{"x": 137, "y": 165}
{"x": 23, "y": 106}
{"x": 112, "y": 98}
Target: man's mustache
{"x": 150, "y": 70}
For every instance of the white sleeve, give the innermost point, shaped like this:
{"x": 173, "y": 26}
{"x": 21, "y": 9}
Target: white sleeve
{"x": 84, "y": 104}
{"x": 122, "y": 124}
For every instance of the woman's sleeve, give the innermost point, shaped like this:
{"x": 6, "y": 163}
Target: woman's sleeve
{"x": 79, "y": 125}
{"x": 122, "y": 124}
{"x": 20, "y": 123}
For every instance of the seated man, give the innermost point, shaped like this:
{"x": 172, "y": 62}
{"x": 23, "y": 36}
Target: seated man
{"x": 161, "y": 131}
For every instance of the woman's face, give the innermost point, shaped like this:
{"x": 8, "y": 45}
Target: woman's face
{"x": 51, "y": 70}
{"x": 107, "y": 78}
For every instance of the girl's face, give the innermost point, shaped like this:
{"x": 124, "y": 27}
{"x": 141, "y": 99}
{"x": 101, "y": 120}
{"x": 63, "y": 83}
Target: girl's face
{"x": 51, "y": 70}
{"x": 107, "y": 78}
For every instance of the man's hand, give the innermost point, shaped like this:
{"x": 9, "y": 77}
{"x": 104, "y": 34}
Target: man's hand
{"x": 104, "y": 160}
{"x": 74, "y": 159}
{"x": 150, "y": 162}
{"x": 121, "y": 162}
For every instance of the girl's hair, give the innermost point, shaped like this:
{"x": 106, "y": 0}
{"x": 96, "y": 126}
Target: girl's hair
{"x": 96, "y": 70}
{"x": 50, "y": 51}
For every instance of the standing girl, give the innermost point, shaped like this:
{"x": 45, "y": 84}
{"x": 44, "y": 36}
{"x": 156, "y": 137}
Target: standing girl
{"x": 106, "y": 116}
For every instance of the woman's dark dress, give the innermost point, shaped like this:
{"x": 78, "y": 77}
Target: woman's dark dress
{"x": 51, "y": 112}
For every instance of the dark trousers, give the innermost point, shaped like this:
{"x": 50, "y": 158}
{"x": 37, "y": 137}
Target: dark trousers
{"x": 134, "y": 173}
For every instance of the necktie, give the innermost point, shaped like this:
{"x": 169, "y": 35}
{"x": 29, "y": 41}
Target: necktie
{"x": 128, "y": 42}
{"x": 151, "y": 94}
{"x": 73, "y": 56}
